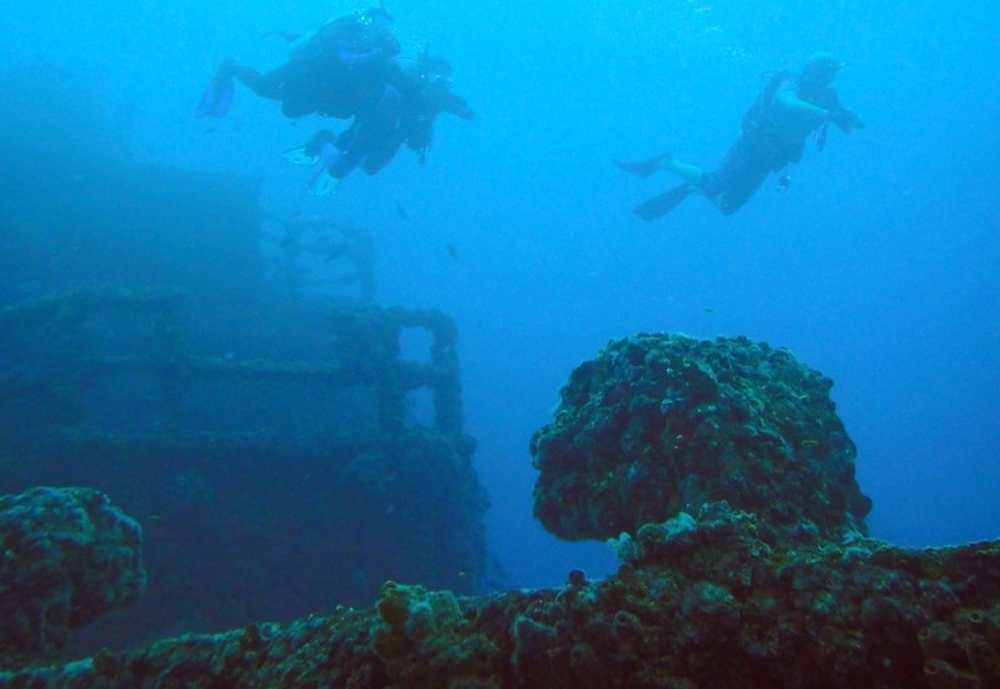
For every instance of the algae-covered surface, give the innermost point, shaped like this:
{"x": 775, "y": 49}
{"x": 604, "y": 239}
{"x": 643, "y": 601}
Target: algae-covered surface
{"x": 702, "y": 603}
{"x": 657, "y": 423}
{"x": 67, "y": 556}
{"x": 722, "y": 476}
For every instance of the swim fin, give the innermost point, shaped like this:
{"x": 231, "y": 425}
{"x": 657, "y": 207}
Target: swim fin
{"x": 302, "y": 156}
{"x": 658, "y": 206}
{"x": 217, "y": 98}
{"x": 643, "y": 168}
{"x": 324, "y": 184}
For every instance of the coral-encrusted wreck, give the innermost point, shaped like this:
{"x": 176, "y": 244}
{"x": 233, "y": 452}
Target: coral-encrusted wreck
{"x": 67, "y": 556}
{"x": 657, "y": 424}
{"x": 761, "y": 582}
{"x": 268, "y": 487}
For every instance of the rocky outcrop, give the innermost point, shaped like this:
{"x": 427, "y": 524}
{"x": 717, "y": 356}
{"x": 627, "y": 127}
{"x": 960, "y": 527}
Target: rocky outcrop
{"x": 67, "y": 556}
{"x": 657, "y": 424}
{"x": 727, "y": 480}
{"x": 701, "y": 602}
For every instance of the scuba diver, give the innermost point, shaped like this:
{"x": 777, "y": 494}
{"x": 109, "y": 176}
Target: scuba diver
{"x": 334, "y": 71}
{"x": 774, "y": 132}
{"x": 404, "y": 113}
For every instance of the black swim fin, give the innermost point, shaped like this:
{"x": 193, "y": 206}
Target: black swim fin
{"x": 217, "y": 98}
{"x": 643, "y": 168}
{"x": 658, "y": 206}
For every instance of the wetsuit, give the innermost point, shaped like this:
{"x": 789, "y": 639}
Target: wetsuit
{"x": 773, "y": 136}
{"x": 405, "y": 113}
{"x": 335, "y": 72}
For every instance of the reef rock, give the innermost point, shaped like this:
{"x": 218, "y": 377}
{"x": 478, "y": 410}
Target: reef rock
{"x": 657, "y": 424}
{"x": 67, "y": 555}
{"x": 733, "y": 592}
{"x": 702, "y": 603}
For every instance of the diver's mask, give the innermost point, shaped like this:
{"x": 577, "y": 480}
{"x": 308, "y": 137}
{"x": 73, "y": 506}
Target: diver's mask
{"x": 820, "y": 71}
{"x": 436, "y": 79}
{"x": 377, "y": 19}
{"x": 435, "y": 70}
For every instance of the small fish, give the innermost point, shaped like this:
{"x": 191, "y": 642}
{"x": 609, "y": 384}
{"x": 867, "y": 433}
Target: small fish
{"x": 401, "y": 212}
{"x": 452, "y": 251}
{"x": 709, "y": 310}
{"x": 784, "y": 183}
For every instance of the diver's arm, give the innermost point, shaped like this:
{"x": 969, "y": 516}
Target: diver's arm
{"x": 845, "y": 120}
{"x": 456, "y": 105}
{"x": 395, "y": 76}
{"x": 787, "y": 98}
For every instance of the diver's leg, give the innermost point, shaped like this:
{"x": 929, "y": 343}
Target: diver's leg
{"x": 302, "y": 88}
{"x": 740, "y": 175}
{"x": 643, "y": 168}
{"x": 344, "y": 163}
{"x": 269, "y": 85}
{"x": 218, "y": 97}
{"x": 714, "y": 183}
{"x": 381, "y": 134}
{"x": 664, "y": 161}
{"x": 297, "y": 104}
{"x": 380, "y": 157}
{"x": 386, "y": 113}
{"x": 335, "y": 166}
{"x": 739, "y": 191}
{"x": 686, "y": 171}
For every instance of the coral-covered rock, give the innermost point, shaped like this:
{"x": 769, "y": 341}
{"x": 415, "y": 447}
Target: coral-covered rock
{"x": 425, "y": 642}
{"x": 657, "y": 424}
{"x": 706, "y": 605}
{"x": 67, "y": 555}
{"x": 716, "y": 595}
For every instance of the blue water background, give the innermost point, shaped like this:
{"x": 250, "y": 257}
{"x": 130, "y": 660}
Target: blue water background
{"x": 880, "y": 266}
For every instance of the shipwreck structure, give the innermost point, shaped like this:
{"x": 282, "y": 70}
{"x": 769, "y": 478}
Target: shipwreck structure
{"x": 163, "y": 341}
{"x": 269, "y": 452}
{"x": 709, "y": 593}
{"x": 252, "y": 511}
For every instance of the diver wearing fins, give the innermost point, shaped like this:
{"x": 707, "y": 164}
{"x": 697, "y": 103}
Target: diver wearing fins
{"x": 334, "y": 71}
{"x": 404, "y": 113}
{"x": 790, "y": 109}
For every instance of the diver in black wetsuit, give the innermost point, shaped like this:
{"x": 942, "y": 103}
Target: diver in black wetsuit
{"x": 427, "y": 93}
{"x": 775, "y": 129}
{"x": 336, "y": 71}
{"x": 404, "y": 113}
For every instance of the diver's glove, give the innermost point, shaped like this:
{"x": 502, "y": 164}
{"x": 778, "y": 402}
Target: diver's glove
{"x": 846, "y": 120}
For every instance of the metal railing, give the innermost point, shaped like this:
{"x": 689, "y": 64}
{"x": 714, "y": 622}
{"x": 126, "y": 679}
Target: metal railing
{"x": 367, "y": 354}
